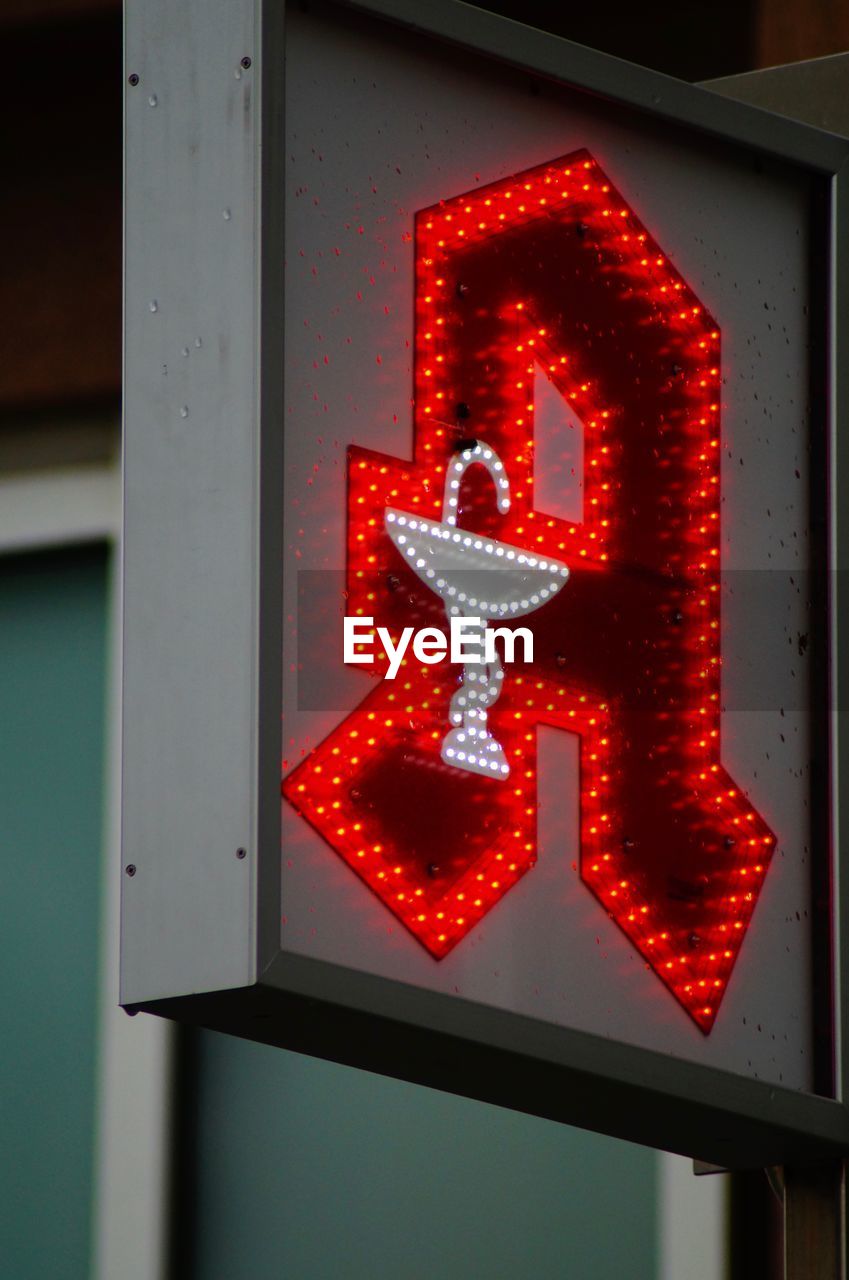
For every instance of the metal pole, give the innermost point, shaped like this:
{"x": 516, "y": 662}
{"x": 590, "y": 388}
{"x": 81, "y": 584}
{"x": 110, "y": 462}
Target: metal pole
{"x": 814, "y": 1222}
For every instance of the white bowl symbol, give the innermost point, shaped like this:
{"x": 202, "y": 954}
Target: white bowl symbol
{"x": 477, "y": 578}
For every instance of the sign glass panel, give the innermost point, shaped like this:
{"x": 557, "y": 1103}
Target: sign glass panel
{"x": 548, "y": 369}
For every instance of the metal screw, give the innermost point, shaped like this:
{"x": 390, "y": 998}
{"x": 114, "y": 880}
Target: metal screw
{"x": 581, "y": 229}
{"x": 130, "y": 869}
{"x": 241, "y": 853}
{"x": 729, "y": 842}
{"x": 462, "y": 410}
{"x": 462, "y": 289}
{"x": 246, "y": 62}
{"x": 433, "y": 869}
{"x": 133, "y": 79}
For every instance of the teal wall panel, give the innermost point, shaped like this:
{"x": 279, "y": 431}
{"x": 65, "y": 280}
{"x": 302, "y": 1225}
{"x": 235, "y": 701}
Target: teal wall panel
{"x": 310, "y": 1171}
{"x": 52, "y": 679}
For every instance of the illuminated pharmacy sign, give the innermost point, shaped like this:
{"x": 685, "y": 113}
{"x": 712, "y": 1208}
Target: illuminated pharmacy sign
{"x": 566, "y": 473}
{"x": 504, "y": 539}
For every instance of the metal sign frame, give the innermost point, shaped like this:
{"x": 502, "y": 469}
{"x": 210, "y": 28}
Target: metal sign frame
{"x": 203, "y": 579}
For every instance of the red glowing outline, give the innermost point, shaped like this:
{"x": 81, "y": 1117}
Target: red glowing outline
{"x": 571, "y": 188}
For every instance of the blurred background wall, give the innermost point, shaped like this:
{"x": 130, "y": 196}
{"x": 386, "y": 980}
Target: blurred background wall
{"x": 131, "y": 1151}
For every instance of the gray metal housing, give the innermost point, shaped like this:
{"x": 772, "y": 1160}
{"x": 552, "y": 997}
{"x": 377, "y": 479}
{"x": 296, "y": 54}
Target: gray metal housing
{"x": 203, "y": 558}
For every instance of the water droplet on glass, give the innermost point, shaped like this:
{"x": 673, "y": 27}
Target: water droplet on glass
{"x": 198, "y": 342}
{"x": 184, "y": 411}
{"x": 154, "y": 305}
{"x": 185, "y": 351}
{"x": 152, "y": 100}
{"x": 226, "y": 215}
